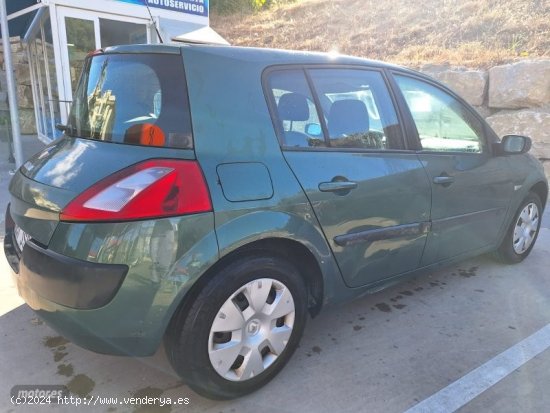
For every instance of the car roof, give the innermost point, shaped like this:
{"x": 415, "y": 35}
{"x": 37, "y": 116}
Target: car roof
{"x": 265, "y": 56}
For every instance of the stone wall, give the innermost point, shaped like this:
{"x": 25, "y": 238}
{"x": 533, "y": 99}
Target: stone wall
{"x": 24, "y": 89}
{"x": 513, "y": 98}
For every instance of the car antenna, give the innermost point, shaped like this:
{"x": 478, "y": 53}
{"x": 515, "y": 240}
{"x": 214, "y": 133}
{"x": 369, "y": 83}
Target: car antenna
{"x": 153, "y": 21}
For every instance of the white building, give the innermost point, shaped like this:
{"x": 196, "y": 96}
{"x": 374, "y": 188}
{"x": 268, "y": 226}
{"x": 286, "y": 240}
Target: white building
{"x": 58, "y": 34}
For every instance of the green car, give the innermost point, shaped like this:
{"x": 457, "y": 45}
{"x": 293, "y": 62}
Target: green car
{"x": 217, "y": 196}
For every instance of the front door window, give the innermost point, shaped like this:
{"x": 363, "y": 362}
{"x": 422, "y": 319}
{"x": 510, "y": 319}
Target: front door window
{"x": 443, "y": 123}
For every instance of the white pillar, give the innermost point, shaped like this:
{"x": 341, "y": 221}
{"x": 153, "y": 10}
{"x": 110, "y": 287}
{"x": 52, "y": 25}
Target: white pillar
{"x": 12, "y": 88}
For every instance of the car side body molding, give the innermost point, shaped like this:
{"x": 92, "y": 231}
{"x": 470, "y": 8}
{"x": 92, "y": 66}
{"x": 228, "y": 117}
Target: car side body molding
{"x": 417, "y": 228}
{"x": 379, "y": 234}
{"x": 445, "y": 223}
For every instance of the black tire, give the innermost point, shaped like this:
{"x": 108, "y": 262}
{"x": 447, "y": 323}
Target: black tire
{"x": 506, "y": 252}
{"x": 187, "y": 340}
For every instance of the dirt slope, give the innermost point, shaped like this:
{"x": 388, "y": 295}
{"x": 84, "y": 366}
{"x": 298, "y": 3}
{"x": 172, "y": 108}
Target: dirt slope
{"x": 462, "y": 32}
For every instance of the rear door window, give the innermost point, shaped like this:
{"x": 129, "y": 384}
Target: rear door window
{"x": 138, "y": 99}
{"x": 348, "y": 109}
{"x": 357, "y": 109}
{"x": 297, "y": 115}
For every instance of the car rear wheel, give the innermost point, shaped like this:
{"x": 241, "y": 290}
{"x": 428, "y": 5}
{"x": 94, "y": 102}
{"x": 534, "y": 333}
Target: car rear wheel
{"x": 523, "y": 231}
{"x": 241, "y": 329}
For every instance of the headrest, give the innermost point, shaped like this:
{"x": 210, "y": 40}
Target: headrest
{"x": 293, "y": 106}
{"x": 347, "y": 117}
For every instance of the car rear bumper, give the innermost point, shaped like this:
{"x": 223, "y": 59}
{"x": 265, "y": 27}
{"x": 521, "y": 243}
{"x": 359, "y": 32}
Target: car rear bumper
{"x": 67, "y": 281}
{"x": 109, "y": 307}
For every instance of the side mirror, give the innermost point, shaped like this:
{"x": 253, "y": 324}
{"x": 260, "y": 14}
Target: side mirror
{"x": 514, "y": 145}
{"x": 314, "y": 129}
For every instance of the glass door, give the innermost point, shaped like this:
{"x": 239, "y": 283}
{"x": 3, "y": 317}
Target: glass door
{"x": 81, "y": 39}
{"x": 114, "y": 32}
{"x": 83, "y": 31}
{"x": 43, "y": 77}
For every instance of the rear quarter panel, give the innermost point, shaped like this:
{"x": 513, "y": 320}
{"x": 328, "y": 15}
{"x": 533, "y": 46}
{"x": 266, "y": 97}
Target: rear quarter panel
{"x": 165, "y": 258}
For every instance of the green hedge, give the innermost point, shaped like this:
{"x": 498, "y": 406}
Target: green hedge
{"x": 241, "y": 6}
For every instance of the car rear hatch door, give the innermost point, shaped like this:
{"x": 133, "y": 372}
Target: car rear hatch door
{"x": 113, "y": 124}
{"x": 51, "y": 179}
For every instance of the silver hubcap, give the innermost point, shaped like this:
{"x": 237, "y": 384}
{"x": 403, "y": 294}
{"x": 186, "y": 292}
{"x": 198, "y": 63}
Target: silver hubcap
{"x": 526, "y": 228}
{"x": 251, "y": 329}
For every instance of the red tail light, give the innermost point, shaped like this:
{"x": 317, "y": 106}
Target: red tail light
{"x": 151, "y": 189}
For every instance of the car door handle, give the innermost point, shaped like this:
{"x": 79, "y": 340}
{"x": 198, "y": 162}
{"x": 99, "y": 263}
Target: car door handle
{"x": 444, "y": 180}
{"x": 337, "y": 186}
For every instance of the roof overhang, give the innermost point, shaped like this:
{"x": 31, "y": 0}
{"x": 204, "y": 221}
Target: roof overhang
{"x": 178, "y": 31}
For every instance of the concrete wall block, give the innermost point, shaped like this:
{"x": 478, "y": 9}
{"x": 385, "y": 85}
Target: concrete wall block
{"x": 525, "y": 84}
{"x": 24, "y": 96}
{"x": 18, "y": 53}
{"x": 19, "y": 58}
{"x": 4, "y": 101}
{"x": 471, "y": 85}
{"x": 22, "y": 74}
{"x": 27, "y": 121}
{"x": 16, "y": 45}
{"x": 534, "y": 123}
{"x": 484, "y": 111}
{"x": 3, "y": 81}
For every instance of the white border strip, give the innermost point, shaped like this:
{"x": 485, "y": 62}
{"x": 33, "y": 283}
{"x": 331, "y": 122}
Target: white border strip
{"x": 465, "y": 389}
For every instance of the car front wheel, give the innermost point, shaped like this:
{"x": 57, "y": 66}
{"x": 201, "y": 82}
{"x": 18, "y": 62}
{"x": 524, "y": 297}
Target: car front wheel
{"x": 523, "y": 231}
{"x": 241, "y": 329}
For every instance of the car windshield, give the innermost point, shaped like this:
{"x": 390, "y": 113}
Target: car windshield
{"x": 136, "y": 99}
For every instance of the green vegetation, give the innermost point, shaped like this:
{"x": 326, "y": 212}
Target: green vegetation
{"x": 225, "y": 7}
{"x": 230, "y": 6}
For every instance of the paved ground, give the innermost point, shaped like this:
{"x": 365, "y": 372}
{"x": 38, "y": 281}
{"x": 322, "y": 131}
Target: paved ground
{"x": 383, "y": 353}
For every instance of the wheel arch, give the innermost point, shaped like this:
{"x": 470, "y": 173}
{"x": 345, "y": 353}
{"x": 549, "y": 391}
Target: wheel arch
{"x": 541, "y": 189}
{"x": 307, "y": 266}
{"x": 293, "y": 251}
{"x": 296, "y": 237}
{"x": 534, "y": 185}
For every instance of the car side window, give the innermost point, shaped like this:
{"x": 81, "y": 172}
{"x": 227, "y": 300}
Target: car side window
{"x": 443, "y": 123}
{"x": 296, "y": 110}
{"x": 357, "y": 109}
{"x": 353, "y": 106}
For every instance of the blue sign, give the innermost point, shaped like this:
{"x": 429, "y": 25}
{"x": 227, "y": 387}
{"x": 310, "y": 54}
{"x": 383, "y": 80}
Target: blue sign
{"x": 197, "y": 7}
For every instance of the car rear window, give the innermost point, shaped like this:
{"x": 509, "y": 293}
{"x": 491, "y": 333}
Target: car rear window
{"x": 136, "y": 99}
